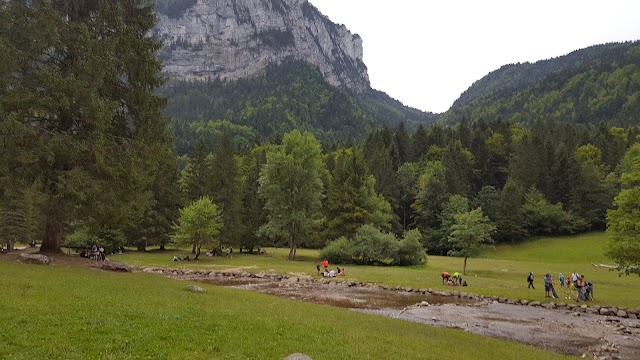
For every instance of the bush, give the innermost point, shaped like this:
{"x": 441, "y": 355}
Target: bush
{"x": 410, "y": 250}
{"x": 110, "y": 240}
{"x": 372, "y": 246}
{"x": 338, "y": 251}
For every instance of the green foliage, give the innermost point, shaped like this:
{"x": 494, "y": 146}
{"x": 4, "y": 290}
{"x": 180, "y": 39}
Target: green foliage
{"x": 410, "y": 250}
{"x": 593, "y": 85}
{"x": 110, "y": 240}
{"x": 291, "y": 186}
{"x": 542, "y": 218}
{"x": 199, "y": 225}
{"x": 351, "y": 197}
{"x": 225, "y": 185}
{"x": 79, "y": 81}
{"x": 623, "y": 222}
{"x": 288, "y": 96}
{"x": 339, "y": 251}
{"x": 469, "y": 234}
{"x": 370, "y": 245}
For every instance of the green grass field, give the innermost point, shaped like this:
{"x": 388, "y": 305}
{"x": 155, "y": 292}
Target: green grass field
{"x": 71, "y": 312}
{"x": 499, "y": 272}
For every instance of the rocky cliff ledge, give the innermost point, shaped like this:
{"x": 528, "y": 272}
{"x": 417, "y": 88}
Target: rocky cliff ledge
{"x": 231, "y": 39}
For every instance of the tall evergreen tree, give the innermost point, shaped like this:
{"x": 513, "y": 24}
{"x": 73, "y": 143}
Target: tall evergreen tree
{"x": 79, "y": 77}
{"x": 510, "y": 226}
{"x": 225, "y": 185}
{"x": 197, "y": 175}
{"x": 623, "y": 222}
{"x": 593, "y": 187}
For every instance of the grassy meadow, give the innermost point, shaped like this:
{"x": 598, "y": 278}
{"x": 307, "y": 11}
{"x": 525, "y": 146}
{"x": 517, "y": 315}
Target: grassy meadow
{"x": 66, "y": 311}
{"x": 500, "y": 272}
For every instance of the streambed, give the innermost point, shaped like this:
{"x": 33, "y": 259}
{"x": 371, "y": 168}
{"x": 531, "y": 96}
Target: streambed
{"x": 563, "y": 331}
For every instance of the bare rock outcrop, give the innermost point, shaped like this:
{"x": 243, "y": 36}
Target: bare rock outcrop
{"x": 232, "y": 39}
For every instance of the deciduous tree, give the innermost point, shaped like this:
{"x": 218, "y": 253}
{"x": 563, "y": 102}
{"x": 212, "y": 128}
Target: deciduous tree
{"x": 469, "y": 234}
{"x": 291, "y": 185}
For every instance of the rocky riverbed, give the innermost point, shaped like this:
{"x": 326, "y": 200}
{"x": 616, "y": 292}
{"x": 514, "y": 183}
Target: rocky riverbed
{"x": 588, "y": 331}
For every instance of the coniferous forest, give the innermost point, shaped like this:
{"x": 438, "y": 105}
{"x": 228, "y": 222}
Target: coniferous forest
{"x": 287, "y": 160}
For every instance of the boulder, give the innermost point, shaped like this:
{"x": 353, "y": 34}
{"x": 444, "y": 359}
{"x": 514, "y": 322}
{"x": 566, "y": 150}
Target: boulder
{"x": 605, "y": 311}
{"x": 115, "y": 266}
{"x": 535, "y": 303}
{"x": 622, "y": 314}
{"x": 298, "y": 356}
{"x": 34, "y": 259}
{"x": 197, "y": 289}
{"x": 524, "y": 302}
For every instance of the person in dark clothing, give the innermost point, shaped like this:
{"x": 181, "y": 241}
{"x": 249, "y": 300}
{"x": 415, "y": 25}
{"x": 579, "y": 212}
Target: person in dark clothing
{"x": 530, "y": 281}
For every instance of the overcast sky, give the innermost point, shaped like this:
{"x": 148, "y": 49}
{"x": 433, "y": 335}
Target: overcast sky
{"x": 426, "y": 53}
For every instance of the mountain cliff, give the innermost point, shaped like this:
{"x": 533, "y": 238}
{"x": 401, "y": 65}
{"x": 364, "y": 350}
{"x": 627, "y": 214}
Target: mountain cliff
{"x": 234, "y": 39}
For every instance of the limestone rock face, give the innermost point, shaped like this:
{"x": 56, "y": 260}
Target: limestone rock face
{"x": 232, "y": 39}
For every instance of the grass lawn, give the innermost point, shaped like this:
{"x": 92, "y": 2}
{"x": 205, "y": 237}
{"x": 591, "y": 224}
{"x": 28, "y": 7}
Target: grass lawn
{"x": 72, "y": 312}
{"x": 499, "y": 272}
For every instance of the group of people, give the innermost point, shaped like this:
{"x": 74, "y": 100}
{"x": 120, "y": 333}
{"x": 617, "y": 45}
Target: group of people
{"x": 576, "y": 281}
{"x": 454, "y": 280}
{"x": 330, "y": 273}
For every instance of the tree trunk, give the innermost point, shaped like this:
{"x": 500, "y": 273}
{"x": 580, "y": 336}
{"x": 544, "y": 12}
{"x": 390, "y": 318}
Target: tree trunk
{"x": 142, "y": 246}
{"x": 464, "y": 269}
{"x": 162, "y": 248}
{"x": 193, "y": 251}
{"x": 292, "y": 249}
{"x": 53, "y": 233}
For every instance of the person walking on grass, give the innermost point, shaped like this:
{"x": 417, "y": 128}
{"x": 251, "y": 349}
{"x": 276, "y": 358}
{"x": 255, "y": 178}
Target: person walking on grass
{"x": 561, "y": 278}
{"x": 530, "y": 281}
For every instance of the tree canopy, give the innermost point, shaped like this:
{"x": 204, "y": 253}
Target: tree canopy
{"x": 78, "y": 78}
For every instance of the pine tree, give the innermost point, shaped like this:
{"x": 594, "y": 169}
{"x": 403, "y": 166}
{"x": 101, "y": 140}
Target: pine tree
{"x": 225, "y": 190}
{"x": 80, "y": 79}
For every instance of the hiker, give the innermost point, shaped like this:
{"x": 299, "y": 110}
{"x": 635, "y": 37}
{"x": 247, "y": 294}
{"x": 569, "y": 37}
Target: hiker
{"x": 561, "y": 278}
{"x": 318, "y": 266}
{"x": 530, "y": 281}
{"x": 574, "y": 277}
{"x": 588, "y": 291}
{"x": 445, "y": 277}
{"x": 326, "y": 265}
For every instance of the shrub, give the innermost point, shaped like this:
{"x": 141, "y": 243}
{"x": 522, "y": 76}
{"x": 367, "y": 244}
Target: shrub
{"x": 410, "y": 250}
{"x": 372, "y": 246}
{"x": 338, "y": 251}
{"x": 110, "y": 240}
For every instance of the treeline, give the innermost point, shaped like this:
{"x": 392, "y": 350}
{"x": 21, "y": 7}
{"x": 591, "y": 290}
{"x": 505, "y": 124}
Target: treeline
{"x": 292, "y": 95}
{"x": 594, "y": 85}
{"x": 547, "y": 179}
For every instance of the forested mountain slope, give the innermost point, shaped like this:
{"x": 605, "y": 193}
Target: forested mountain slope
{"x": 592, "y": 85}
{"x": 292, "y": 95}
